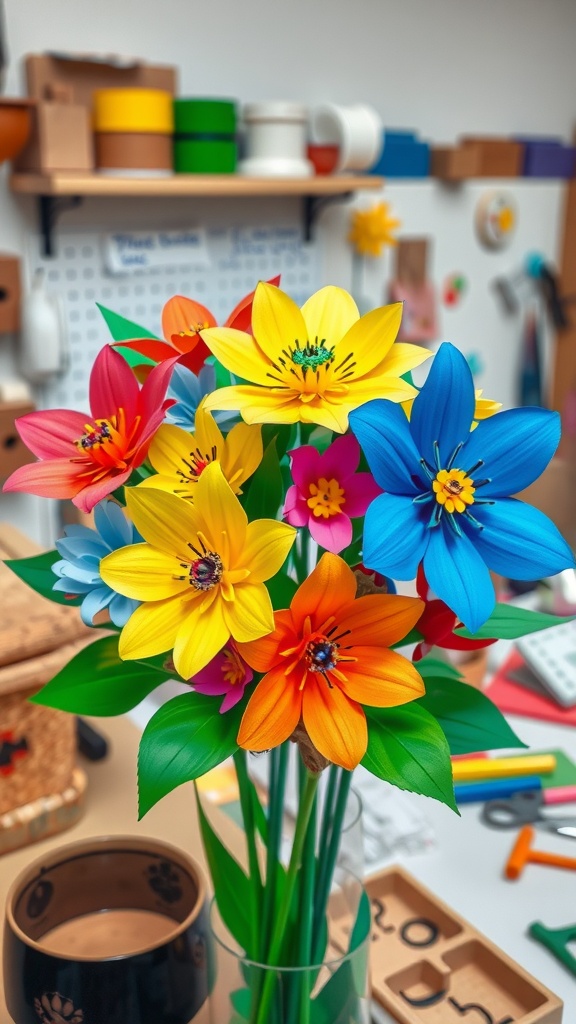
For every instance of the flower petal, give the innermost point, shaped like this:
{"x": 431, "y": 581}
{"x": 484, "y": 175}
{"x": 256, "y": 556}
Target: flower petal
{"x": 336, "y": 725}
{"x": 151, "y": 396}
{"x": 395, "y": 537}
{"x": 113, "y": 386}
{"x": 456, "y": 572}
{"x": 242, "y": 453}
{"x": 380, "y": 619}
{"x": 305, "y": 466}
{"x": 444, "y": 409}
{"x": 153, "y": 628}
{"x": 402, "y": 358}
{"x": 359, "y": 491}
{"x": 52, "y": 478}
{"x": 295, "y": 511}
{"x": 334, "y": 534}
{"x": 201, "y": 635}
{"x": 329, "y": 314}
{"x": 276, "y": 323}
{"x": 257, "y": 404}
{"x": 164, "y": 520}
{"x": 219, "y": 512}
{"x": 181, "y": 315}
{"x": 381, "y": 679}
{"x": 148, "y": 347}
{"x": 340, "y": 460}
{"x": 273, "y": 711}
{"x": 238, "y": 352}
{"x": 329, "y": 589}
{"x": 170, "y": 447}
{"x": 516, "y": 446}
{"x": 369, "y": 339}
{"x": 249, "y": 616}
{"x": 520, "y": 542}
{"x": 145, "y": 573}
{"x": 384, "y": 434}
{"x": 262, "y": 654}
{"x": 94, "y": 490}
{"x": 241, "y": 315}
{"x": 51, "y": 434}
{"x": 266, "y": 548}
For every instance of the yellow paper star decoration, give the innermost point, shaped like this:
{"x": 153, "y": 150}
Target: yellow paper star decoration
{"x": 372, "y": 229}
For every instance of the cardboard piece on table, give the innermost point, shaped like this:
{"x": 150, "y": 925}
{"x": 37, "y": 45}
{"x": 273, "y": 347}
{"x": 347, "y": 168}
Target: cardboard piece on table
{"x": 554, "y": 493}
{"x": 13, "y": 451}
{"x": 516, "y": 699}
{"x": 60, "y": 139}
{"x": 410, "y": 286}
{"x": 429, "y": 965}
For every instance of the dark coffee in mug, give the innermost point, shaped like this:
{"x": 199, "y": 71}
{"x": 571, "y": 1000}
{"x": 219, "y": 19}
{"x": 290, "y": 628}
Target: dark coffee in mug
{"x": 108, "y": 930}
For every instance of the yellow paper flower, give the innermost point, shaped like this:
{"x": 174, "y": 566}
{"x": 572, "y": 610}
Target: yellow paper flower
{"x": 200, "y": 573}
{"x": 180, "y": 458}
{"x": 312, "y": 365}
{"x": 372, "y": 229}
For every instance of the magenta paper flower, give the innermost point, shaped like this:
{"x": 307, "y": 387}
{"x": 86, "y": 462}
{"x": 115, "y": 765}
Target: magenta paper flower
{"x": 226, "y": 674}
{"x": 87, "y": 456}
{"x": 328, "y": 492}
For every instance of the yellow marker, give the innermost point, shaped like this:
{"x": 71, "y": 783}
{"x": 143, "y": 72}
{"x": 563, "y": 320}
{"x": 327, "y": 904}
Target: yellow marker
{"x": 502, "y": 767}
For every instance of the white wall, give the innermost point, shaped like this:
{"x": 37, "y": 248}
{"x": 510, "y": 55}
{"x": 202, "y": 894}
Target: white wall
{"x": 442, "y": 67}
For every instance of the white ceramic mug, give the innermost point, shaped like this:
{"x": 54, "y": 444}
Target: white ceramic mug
{"x": 356, "y": 129}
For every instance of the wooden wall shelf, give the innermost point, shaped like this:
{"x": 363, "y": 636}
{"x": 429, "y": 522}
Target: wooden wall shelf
{"x": 59, "y": 191}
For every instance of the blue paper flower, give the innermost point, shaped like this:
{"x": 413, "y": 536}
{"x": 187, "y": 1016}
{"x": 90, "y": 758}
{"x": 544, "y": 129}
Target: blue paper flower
{"x": 82, "y": 550}
{"x": 188, "y": 390}
{"x": 447, "y": 490}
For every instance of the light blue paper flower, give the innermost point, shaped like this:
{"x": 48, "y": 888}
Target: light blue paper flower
{"x": 446, "y": 502}
{"x": 188, "y": 390}
{"x": 82, "y": 550}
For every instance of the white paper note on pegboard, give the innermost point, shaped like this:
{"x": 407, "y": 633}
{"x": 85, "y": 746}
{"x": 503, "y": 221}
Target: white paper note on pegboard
{"x": 238, "y": 257}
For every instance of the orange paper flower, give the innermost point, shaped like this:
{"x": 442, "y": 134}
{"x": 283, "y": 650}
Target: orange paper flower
{"x": 327, "y": 656}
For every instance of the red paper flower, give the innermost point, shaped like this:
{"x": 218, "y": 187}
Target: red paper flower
{"x": 437, "y": 624}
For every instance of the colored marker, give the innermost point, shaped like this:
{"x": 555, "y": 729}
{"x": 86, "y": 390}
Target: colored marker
{"x": 495, "y": 789}
{"x": 503, "y": 767}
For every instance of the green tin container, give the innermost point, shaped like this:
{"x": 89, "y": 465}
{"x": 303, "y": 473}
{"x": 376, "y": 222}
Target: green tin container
{"x": 205, "y": 156}
{"x": 204, "y": 117}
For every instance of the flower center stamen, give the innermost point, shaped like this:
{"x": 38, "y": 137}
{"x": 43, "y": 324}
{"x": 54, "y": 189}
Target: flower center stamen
{"x": 233, "y": 670}
{"x": 326, "y": 498}
{"x": 196, "y": 464}
{"x": 321, "y": 655}
{"x": 313, "y": 355}
{"x": 95, "y": 435}
{"x": 454, "y": 490}
{"x": 206, "y": 572}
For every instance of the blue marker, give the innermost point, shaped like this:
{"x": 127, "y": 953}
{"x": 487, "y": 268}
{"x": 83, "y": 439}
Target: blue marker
{"x": 493, "y": 789}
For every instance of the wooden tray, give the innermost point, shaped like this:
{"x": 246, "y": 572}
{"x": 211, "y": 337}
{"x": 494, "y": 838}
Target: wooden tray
{"x": 45, "y": 816}
{"x": 430, "y": 966}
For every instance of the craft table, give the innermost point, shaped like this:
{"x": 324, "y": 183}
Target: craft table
{"x": 464, "y": 868}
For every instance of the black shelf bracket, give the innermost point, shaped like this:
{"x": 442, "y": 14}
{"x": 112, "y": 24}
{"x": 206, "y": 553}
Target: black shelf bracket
{"x": 49, "y": 210}
{"x": 312, "y": 207}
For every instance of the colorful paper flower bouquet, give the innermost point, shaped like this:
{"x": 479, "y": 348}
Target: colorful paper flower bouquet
{"x": 249, "y": 522}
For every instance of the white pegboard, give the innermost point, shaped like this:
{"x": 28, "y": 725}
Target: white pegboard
{"x": 239, "y": 258}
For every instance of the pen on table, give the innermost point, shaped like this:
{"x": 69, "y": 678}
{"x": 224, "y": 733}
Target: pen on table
{"x": 503, "y": 767}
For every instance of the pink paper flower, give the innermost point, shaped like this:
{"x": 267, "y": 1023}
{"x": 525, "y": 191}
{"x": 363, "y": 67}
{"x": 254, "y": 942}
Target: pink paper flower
{"x": 227, "y": 674}
{"x": 328, "y": 492}
{"x": 87, "y": 456}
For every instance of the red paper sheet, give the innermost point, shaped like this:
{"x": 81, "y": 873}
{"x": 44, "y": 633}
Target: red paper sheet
{"x": 518, "y": 700}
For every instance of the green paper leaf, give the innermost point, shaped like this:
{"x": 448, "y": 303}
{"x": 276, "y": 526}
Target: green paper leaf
{"x": 97, "y": 682}
{"x": 37, "y": 573}
{"x": 230, "y": 881}
{"x": 183, "y": 740}
{"x": 122, "y": 329}
{"x": 507, "y": 622}
{"x": 134, "y": 358}
{"x": 435, "y": 668}
{"x": 283, "y": 433}
{"x": 469, "y": 719}
{"x": 264, "y": 495}
{"x": 407, "y": 747}
{"x": 281, "y": 589}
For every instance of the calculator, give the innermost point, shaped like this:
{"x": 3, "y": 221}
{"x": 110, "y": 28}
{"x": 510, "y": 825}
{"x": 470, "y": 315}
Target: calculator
{"x": 551, "y": 656}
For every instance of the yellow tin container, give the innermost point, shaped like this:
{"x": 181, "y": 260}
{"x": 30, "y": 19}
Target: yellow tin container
{"x": 133, "y": 110}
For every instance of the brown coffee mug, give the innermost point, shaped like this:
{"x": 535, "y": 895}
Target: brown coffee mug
{"x": 112, "y": 929}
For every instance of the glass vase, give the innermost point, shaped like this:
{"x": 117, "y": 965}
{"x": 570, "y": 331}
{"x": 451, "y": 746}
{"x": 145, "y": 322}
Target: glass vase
{"x": 334, "y": 991}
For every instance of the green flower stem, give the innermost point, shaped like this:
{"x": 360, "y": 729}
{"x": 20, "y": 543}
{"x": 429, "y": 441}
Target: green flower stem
{"x": 306, "y": 909}
{"x": 326, "y": 827}
{"x": 330, "y": 855}
{"x": 247, "y": 806}
{"x": 305, "y": 807}
{"x": 276, "y": 790}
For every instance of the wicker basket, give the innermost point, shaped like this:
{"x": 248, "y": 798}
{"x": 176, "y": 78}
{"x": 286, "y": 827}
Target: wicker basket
{"x": 37, "y": 638}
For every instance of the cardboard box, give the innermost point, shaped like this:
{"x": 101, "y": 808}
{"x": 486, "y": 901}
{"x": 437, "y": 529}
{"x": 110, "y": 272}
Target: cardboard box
{"x": 76, "y": 76}
{"x": 60, "y": 140}
{"x": 497, "y": 158}
{"x": 10, "y": 291}
{"x": 455, "y": 163}
{"x": 554, "y": 493}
